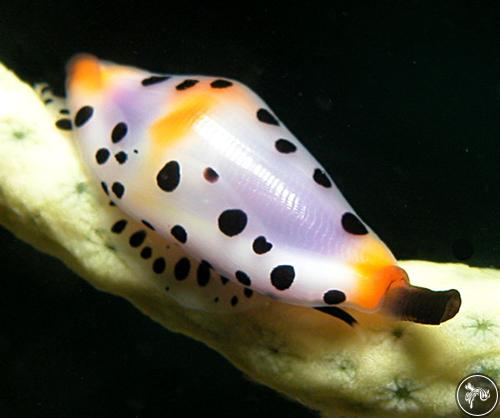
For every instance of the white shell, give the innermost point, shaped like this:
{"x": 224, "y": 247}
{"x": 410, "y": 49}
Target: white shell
{"x": 271, "y": 221}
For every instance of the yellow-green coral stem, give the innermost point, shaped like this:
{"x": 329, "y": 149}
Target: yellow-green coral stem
{"x": 380, "y": 368}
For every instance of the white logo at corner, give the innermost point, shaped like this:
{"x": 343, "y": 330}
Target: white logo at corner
{"x": 477, "y": 395}
{"x": 484, "y": 394}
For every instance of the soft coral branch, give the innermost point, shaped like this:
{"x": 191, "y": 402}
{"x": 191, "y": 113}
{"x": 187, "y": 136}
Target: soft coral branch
{"x": 378, "y": 368}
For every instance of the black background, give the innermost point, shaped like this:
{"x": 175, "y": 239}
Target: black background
{"x": 398, "y": 100}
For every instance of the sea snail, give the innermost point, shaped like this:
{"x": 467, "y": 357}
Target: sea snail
{"x": 227, "y": 193}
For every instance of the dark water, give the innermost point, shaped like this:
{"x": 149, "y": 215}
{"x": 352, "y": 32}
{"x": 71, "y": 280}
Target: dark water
{"x": 399, "y": 100}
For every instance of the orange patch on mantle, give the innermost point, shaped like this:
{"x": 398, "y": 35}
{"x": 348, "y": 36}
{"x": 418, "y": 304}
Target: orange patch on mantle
{"x": 178, "y": 122}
